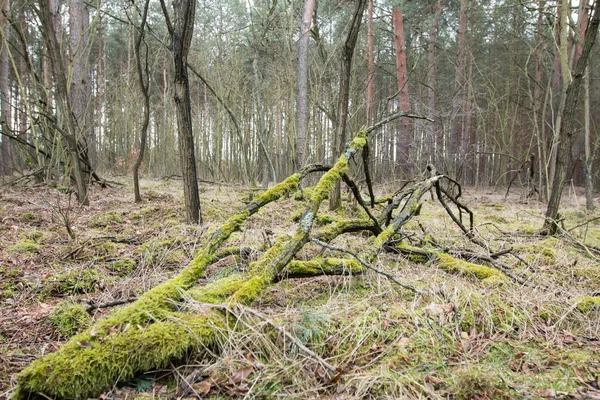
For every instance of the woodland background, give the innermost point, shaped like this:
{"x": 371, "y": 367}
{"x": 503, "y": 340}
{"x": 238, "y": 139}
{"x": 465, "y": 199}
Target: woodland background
{"x": 489, "y": 74}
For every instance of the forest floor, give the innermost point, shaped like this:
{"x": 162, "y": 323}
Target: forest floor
{"x": 539, "y": 340}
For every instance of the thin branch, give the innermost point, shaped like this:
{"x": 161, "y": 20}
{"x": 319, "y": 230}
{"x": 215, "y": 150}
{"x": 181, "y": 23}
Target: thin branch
{"x": 367, "y": 265}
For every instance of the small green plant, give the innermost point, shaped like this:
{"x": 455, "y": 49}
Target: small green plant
{"x": 68, "y": 318}
{"x": 73, "y": 282}
{"x": 123, "y": 266}
{"x": 25, "y": 246}
{"x": 476, "y": 383}
{"x": 27, "y": 216}
{"x": 106, "y": 219}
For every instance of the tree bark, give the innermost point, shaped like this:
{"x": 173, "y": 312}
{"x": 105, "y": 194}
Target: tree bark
{"x": 567, "y": 128}
{"x": 182, "y": 31}
{"x": 459, "y": 96}
{"x": 371, "y": 57}
{"x": 431, "y": 144}
{"x": 6, "y": 150}
{"x": 302, "y": 83}
{"x": 144, "y": 81}
{"x": 71, "y": 131}
{"x": 404, "y": 140}
{"x": 339, "y": 139}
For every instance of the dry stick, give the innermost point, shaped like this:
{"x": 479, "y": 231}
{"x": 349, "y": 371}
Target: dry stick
{"x": 367, "y": 265}
{"x": 365, "y": 158}
{"x": 108, "y": 304}
{"x": 352, "y": 185}
{"x": 281, "y": 330}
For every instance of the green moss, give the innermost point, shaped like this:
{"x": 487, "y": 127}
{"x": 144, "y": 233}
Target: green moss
{"x": 587, "y": 304}
{"x": 106, "y": 219}
{"x": 63, "y": 189}
{"x": 36, "y": 236}
{"x": 328, "y": 180}
{"x": 475, "y": 382}
{"x": 68, "y": 318}
{"x": 481, "y": 272}
{"x": 27, "y": 216}
{"x": 383, "y": 237}
{"x": 85, "y": 367}
{"x": 303, "y": 194}
{"x": 320, "y": 265}
{"x": 339, "y": 225}
{"x": 250, "y": 290}
{"x": 123, "y": 266}
{"x": 25, "y": 246}
{"x": 281, "y": 189}
{"x": 218, "y": 291}
{"x": 73, "y": 282}
{"x": 105, "y": 249}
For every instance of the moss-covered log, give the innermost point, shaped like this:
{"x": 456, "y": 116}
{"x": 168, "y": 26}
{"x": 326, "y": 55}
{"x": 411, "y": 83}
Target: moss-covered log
{"x": 96, "y": 359}
{"x": 148, "y": 333}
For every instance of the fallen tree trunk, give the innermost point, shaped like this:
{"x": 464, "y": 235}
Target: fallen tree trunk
{"x": 158, "y": 328}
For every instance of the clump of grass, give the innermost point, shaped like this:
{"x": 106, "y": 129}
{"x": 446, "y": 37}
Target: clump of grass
{"x": 27, "y": 216}
{"x": 73, "y": 282}
{"x": 25, "y": 246}
{"x": 68, "y": 318}
{"x": 123, "y": 266}
{"x": 475, "y": 382}
{"x": 106, "y": 219}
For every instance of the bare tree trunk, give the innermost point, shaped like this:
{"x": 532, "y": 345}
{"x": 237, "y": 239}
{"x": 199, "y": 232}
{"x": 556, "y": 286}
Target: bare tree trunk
{"x": 181, "y": 34}
{"x": 144, "y": 80}
{"x": 459, "y": 97}
{"x": 537, "y": 103}
{"x": 71, "y": 130}
{"x": 589, "y": 159}
{"x": 431, "y": 143}
{"x": 404, "y": 139}
{"x": 567, "y": 128}
{"x": 339, "y": 139}
{"x": 6, "y": 150}
{"x": 371, "y": 56}
{"x": 302, "y": 83}
{"x": 100, "y": 82}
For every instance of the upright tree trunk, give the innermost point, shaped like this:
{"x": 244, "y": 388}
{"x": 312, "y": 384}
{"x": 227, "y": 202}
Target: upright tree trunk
{"x": 567, "y": 128}
{"x": 339, "y": 139}
{"x": 182, "y": 32}
{"x": 6, "y": 150}
{"x": 71, "y": 130}
{"x": 99, "y": 83}
{"x": 537, "y": 103}
{"x": 589, "y": 159}
{"x": 144, "y": 81}
{"x": 371, "y": 57}
{"x": 302, "y": 83}
{"x": 431, "y": 144}
{"x": 404, "y": 140}
{"x": 459, "y": 95}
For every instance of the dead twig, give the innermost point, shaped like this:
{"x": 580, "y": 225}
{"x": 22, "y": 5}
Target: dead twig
{"x": 368, "y": 266}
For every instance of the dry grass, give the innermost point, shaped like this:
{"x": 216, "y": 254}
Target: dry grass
{"x": 496, "y": 341}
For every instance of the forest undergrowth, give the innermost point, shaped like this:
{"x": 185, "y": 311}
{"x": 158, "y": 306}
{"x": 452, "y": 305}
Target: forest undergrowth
{"x": 463, "y": 335}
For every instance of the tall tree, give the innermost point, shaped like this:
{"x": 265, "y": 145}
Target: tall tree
{"x": 568, "y": 126}
{"x": 143, "y": 74}
{"x": 339, "y": 140}
{"x": 431, "y": 143}
{"x": 302, "y": 83}
{"x": 181, "y": 32}
{"x": 404, "y": 140}
{"x": 459, "y": 92}
{"x": 71, "y": 131}
{"x": 6, "y": 164}
{"x": 80, "y": 89}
